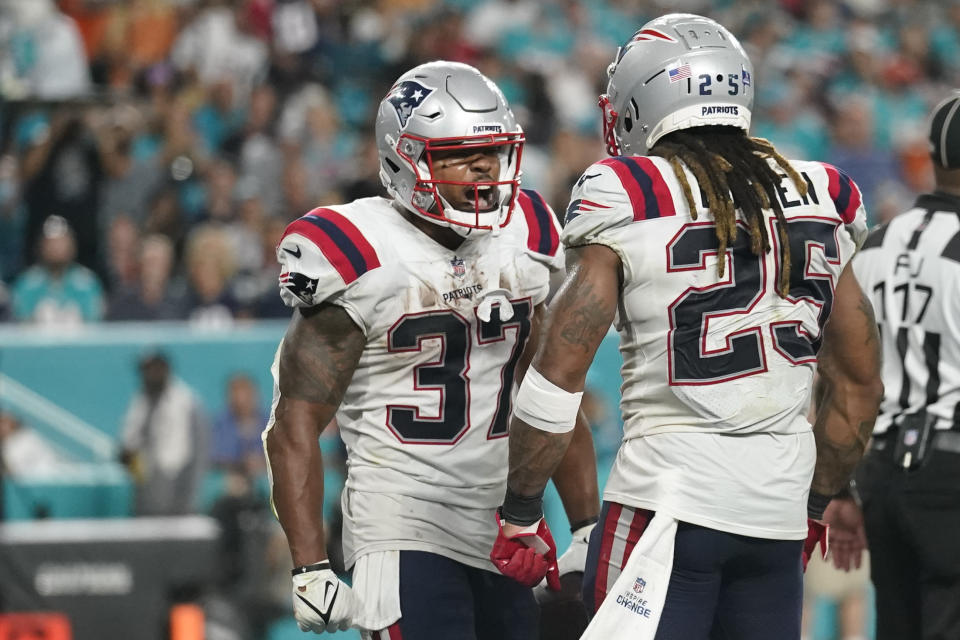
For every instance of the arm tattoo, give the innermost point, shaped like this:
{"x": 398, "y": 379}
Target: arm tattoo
{"x": 320, "y": 352}
{"x": 835, "y": 465}
{"x": 584, "y": 319}
{"x": 534, "y": 455}
{"x": 847, "y": 398}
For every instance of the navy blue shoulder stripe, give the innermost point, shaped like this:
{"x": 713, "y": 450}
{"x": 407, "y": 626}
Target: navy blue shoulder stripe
{"x": 543, "y": 237}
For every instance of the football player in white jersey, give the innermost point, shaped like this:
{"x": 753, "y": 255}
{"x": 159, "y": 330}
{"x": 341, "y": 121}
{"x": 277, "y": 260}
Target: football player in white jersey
{"x": 724, "y": 267}
{"x": 416, "y": 316}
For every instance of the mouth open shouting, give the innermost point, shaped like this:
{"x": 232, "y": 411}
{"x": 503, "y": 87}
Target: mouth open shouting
{"x": 479, "y": 197}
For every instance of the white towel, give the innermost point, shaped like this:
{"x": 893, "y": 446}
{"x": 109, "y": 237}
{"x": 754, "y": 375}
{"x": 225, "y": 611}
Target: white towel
{"x": 633, "y": 606}
{"x": 376, "y": 581}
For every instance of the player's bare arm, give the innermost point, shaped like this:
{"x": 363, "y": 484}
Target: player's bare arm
{"x": 579, "y": 318}
{"x": 319, "y": 355}
{"x": 849, "y": 388}
{"x": 576, "y": 476}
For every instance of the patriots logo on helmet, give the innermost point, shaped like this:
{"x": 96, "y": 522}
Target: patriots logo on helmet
{"x": 645, "y": 35}
{"x": 407, "y": 96}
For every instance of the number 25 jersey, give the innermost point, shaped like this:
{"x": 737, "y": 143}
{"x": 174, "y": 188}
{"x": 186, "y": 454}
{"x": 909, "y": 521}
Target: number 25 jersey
{"x": 425, "y": 415}
{"x": 717, "y": 369}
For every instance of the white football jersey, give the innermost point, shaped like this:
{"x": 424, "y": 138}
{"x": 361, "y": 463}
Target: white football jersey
{"x": 910, "y": 267}
{"x": 717, "y": 370}
{"x": 425, "y": 416}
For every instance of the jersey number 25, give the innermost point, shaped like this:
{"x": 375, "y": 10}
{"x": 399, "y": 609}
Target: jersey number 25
{"x": 746, "y": 283}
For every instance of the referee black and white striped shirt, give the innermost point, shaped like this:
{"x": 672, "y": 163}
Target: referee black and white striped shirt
{"x": 910, "y": 269}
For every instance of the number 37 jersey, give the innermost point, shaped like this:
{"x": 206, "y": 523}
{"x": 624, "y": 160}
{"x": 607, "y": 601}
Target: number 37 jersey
{"x": 425, "y": 415}
{"x": 708, "y": 355}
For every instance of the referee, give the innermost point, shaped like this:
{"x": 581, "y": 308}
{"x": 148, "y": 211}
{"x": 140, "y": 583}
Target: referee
{"x": 909, "y": 482}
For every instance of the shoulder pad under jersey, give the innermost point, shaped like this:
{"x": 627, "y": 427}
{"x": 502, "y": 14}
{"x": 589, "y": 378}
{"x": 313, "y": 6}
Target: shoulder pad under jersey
{"x": 542, "y": 226}
{"x": 615, "y": 192}
{"x": 848, "y": 202}
{"x": 321, "y": 254}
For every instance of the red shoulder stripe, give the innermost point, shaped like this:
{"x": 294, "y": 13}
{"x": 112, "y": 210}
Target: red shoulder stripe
{"x": 844, "y": 192}
{"x": 339, "y": 240}
{"x": 649, "y": 194}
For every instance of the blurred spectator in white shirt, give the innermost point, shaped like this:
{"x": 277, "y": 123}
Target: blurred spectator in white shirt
{"x": 218, "y": 45}
{"x": 23, "y": 452}
{"x": 165, "y": 439}
{"x": 41, "y": 52}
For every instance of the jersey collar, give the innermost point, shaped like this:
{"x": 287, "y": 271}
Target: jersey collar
{"x": 939, "y": 201}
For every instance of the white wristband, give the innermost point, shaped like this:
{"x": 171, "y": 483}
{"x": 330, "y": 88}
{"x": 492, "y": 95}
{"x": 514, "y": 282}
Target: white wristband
{"x": 545, "y": 406}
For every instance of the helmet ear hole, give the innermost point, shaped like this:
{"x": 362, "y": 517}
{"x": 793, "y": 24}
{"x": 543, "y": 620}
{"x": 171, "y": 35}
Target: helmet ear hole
{"x": 393, "y": 165}
{"x": 627, "y": 122}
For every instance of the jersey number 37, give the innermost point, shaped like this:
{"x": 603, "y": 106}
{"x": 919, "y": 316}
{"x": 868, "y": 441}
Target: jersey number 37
{"x": 448, "y": 374}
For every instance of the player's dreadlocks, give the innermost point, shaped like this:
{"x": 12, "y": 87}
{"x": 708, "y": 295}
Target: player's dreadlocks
{"x": 733, "y": 173}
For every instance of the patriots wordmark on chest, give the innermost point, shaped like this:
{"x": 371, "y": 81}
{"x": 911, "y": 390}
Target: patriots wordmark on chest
{"x": 463, "y": 292}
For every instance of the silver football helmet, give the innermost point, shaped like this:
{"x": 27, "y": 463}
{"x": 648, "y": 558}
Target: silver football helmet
{"x": 678, "y": 71}
{"x": 440, "y": 106}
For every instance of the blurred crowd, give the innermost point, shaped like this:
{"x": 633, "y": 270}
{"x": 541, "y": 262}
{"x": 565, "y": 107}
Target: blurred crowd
{"x": 152, "y": 151}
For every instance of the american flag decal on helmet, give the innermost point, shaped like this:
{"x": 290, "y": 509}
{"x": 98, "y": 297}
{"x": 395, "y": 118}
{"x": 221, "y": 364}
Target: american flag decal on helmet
{"x": 678, "y": 71}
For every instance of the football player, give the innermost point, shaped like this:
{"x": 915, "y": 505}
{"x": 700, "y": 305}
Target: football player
{"x": 724, "y": 267}
{"x": 416, "y": 317}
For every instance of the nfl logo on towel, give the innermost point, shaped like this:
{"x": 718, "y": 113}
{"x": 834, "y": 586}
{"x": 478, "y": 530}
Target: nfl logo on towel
{"x": 639, "y": 585}
{"x": 678, "y": 71}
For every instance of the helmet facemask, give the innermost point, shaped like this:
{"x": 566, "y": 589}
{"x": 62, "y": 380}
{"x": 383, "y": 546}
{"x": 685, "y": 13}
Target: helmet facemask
{"x": 436, "y": 109}
{"x": 469, "y": 205}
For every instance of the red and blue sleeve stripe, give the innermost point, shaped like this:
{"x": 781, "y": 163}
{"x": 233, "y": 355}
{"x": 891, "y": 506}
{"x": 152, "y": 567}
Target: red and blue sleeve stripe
{"x": 844, "y": 192}
{"x": 542, "y": 235}
{"x": 339, "y": 240}
{"x": 649, "y": 194}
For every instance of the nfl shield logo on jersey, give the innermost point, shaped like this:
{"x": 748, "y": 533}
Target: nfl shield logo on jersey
{"x": 639, "y": 585}
{"x": 459, "y": 269}
{"x": 407, "y": 96}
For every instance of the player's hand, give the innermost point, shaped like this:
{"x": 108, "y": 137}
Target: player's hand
{"x": 847, "y": 536}
{"x": 526, "y": 554}
{"x": 574, "y": 559}
{"x": 321, "y": 602}
{"x": 816, "y": 533}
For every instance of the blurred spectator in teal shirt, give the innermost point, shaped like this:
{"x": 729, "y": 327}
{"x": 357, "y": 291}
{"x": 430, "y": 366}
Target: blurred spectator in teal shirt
{"x": 57, "y": 291}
